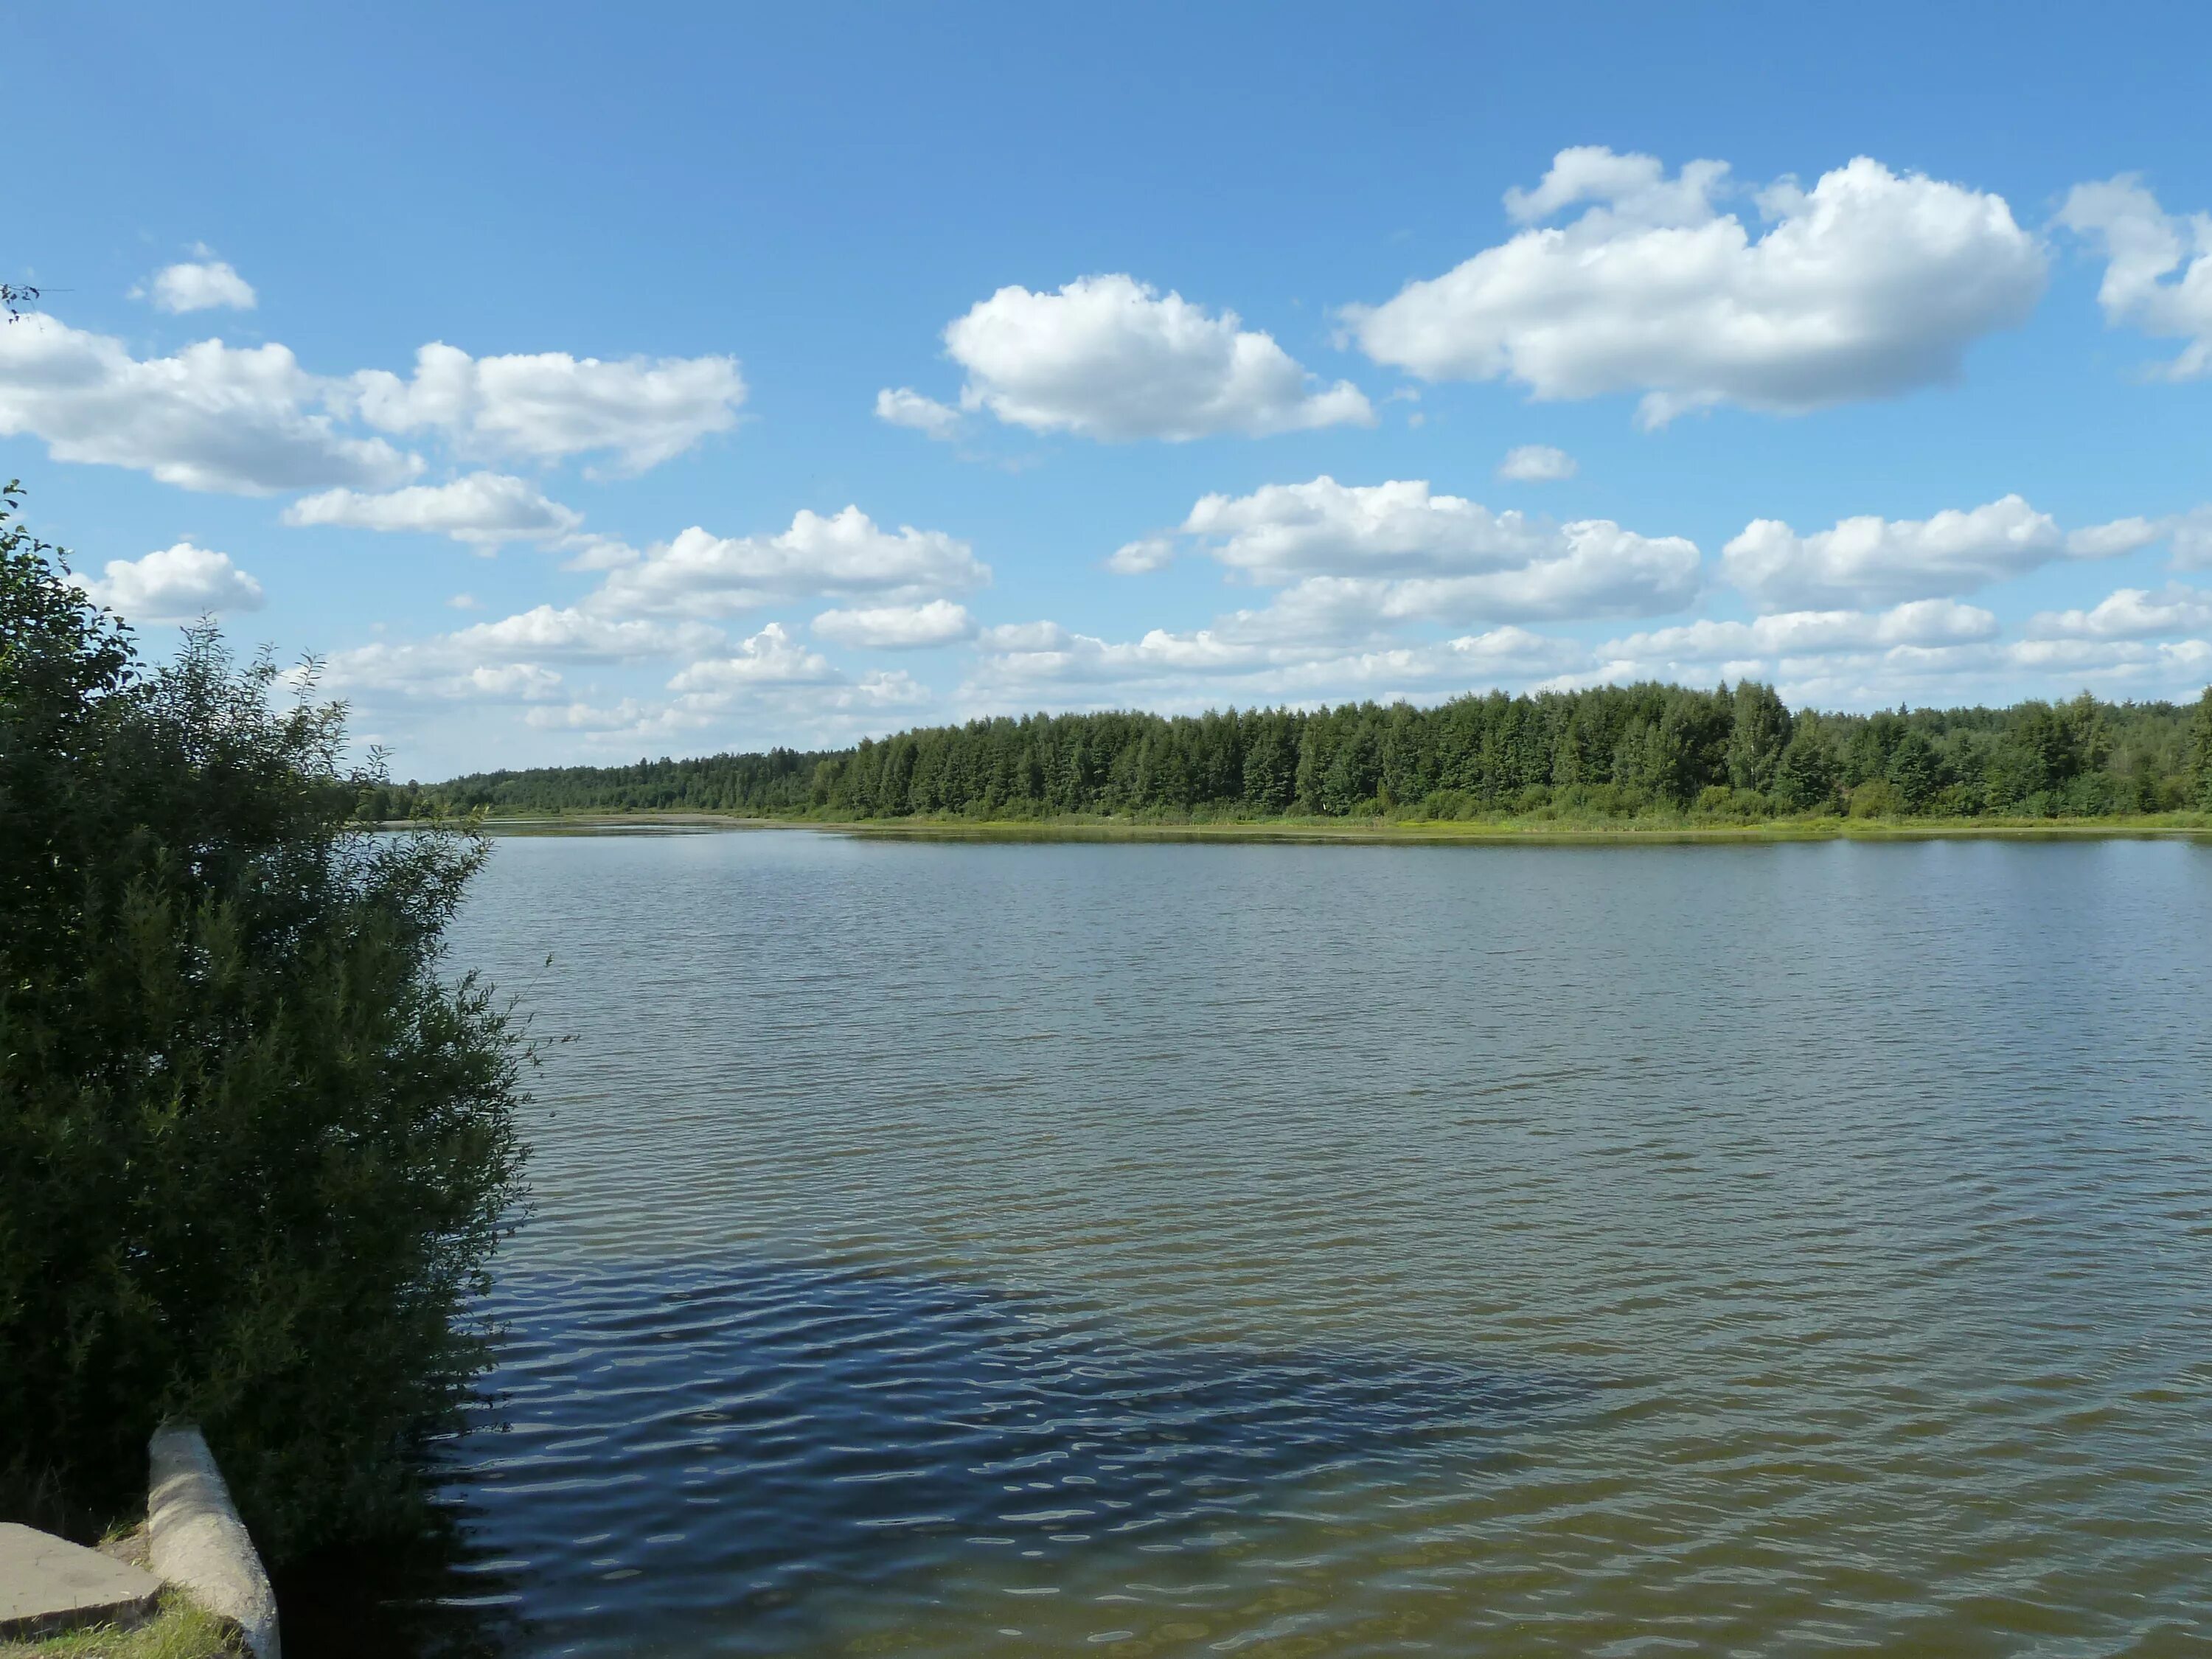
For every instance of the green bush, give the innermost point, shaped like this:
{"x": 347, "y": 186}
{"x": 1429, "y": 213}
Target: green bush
{"x": 1732, "y": 805}
{"x": 1877, "y": 798}
{"x": 255, "y": 1150}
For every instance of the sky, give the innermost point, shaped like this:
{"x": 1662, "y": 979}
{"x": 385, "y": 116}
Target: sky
{"x": 574, "y": 384}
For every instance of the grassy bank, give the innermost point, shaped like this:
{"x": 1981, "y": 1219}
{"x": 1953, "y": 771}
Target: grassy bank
{"x": 179, "y": 1630}
{"x": 1645, "y": 830}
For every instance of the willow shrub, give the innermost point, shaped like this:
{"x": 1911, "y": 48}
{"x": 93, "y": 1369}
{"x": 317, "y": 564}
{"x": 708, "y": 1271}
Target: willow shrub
{"x": 255, "y": 1146}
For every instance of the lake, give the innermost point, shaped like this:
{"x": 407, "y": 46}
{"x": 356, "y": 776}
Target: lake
{"x": 945, "y": 1248}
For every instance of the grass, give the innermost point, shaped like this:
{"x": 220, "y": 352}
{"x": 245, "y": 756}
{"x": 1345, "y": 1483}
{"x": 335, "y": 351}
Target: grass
{"x": 1655, "y": 827}
{"x": 178, "y": 1630}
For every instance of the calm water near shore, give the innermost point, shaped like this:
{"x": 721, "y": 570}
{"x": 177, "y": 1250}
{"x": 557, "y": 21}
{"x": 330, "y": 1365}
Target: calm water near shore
{"x": 1005, "y": 1249}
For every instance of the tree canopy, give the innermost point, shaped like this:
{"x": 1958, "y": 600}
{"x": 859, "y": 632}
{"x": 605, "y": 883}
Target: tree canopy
{"x": 1610, "y": 752}
{"x": 255, "y": 1147}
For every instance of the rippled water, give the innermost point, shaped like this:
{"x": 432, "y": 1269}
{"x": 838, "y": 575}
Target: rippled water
{"x": 955, "y": 1250}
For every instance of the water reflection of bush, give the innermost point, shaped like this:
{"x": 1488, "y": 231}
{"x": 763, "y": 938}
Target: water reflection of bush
{"x": 726, "y": 1439}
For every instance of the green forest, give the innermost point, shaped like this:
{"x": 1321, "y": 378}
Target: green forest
{"x": 1647, "y": 751}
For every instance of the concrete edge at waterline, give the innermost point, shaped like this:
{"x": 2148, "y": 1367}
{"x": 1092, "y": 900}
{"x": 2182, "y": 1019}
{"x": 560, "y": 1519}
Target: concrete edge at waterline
{"x": 198, "y": 1543}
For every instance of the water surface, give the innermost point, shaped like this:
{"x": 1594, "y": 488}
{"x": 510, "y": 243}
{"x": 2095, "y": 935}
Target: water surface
{"x": 956, "y": 1249}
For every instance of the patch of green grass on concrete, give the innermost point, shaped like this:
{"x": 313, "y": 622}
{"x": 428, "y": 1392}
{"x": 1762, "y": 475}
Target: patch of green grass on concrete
{"x": 178, "y": 1630}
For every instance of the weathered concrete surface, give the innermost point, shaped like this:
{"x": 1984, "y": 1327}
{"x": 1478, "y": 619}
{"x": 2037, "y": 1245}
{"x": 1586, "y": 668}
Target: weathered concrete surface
{"x": 48, "y": 1584}
{"x": 199, "y": 1544}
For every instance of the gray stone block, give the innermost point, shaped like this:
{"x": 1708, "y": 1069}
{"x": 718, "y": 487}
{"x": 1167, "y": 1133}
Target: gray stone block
{"x": 48, "y": 1584}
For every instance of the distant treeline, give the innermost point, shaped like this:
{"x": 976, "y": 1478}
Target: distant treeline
{"x": 1613, "y": 752}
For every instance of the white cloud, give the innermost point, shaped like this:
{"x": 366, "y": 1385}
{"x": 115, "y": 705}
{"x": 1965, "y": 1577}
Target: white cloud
{"x": 506, "y": 660}
{"x": 519, "y": 682}
{"x": 2121, "y": 535}
{"x": 1536, "y": 464}
{"x": 895, "y": 688}
{"x": 898, "y": 627}
{"x": 211, "y": 417}
{"x": 1395, "y": 552}
{"x": 1282, "y": 532}
{"x": 1869, "y": 285}
{"x": 596, "y": 552}
{"x": 2177, "y": 663}
{"x": 840, "y": 556}
{"x": 909, "y": 408}
{"x": 549, "y": 405}
{"x": 2192, "y": 536}
{"x": 1808, "y": 633}
{"x": 1111, "y": 357}
{"x": 465, "y": 602}
{"x": 176, "y": 584}
{"x": 2158, "y": 269}
{"x": 547, "y": 631}
{"x": 629, "y": 715}
{"x": 773, "y": 673}
{"x": 1143, "y": 556}
{"x": 769, "y": 658}
{"x": 484, "y": 509}
{"x": 1870, "y": 560}
{"x": 1200, "y": 669}
{"x": 2130, "y": 613}
{"x": 205, "y": 284}
{"x": 1995, "y": 672}
{"x": 1633, "y": 189}
{"x": 435, "y": 672}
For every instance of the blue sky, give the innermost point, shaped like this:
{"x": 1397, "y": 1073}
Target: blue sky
{"x": 794, "y": 374}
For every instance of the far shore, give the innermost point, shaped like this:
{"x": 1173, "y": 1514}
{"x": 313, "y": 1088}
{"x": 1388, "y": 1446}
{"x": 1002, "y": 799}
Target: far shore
{"x": 1375, "y": 831}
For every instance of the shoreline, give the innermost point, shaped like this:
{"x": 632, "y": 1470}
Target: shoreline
{"x": 1362, "y": 832}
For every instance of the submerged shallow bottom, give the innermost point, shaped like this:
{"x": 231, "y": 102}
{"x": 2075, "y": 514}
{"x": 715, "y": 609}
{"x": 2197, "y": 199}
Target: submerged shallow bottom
{"x": 1155, "y": 1249}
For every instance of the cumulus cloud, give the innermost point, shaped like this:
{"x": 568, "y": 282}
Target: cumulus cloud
{"x": 1808, "y": 633}
{"x": 1536, "y": 464}
{"x": 766, "y": 689}
{"x": 2158, "y": 266}
{"x": 205, "y": 284}
{"x": 908, "y": 407}
{"x": 1143, "y": 556}
{"x": 2174, "y": 664}
{"x": 846, "y": 554}
{"x": 252, "y": 421}
{"x": 770, "y": 657}
{"x": 898, "y": 627}
{"x": 1869, "y": 560}
{"x": 547, "y": 630}
{"x": 381, "y": 671}
{"x": 2121, "y": 535}
{"x": 2190, "y": 533}
{"x": 1995, "y": 672}
{"x": 506, "y": 660}
{"x": 484, "y": 509}
{"x": 1111, "y": 357}
{"x": 1397, "y": 552}
{"x": 1870, "y": 284}
{"x": 177, "y": 584}
{"x": 772, "y": 677}
{"x": 211, "y": 417}
{"x": 2129, "y": 613}
{"x": 549, "y": 405}
{"x": 629, "y": 715}
{"x": 1200, "y": 668}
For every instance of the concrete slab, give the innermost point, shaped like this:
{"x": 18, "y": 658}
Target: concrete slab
{"x": 48, "y": 1584}
{"x": 199, "y": 1543}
